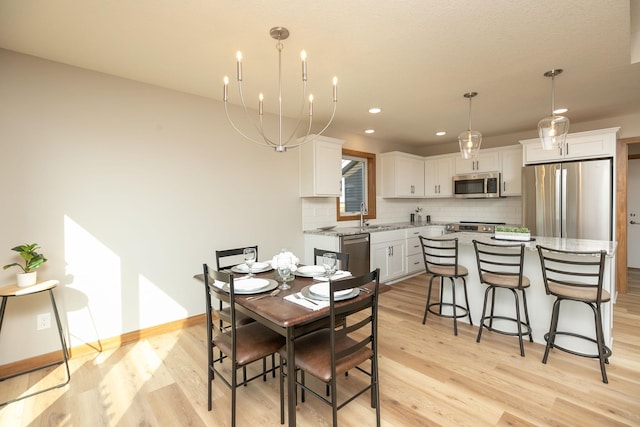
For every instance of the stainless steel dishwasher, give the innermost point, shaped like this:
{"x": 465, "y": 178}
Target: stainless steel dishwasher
{"x": 358, "y": 248}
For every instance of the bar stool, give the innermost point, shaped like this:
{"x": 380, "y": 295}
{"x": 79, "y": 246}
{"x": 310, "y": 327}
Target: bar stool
{"x": 441, "y": 261}
{"x": 575, "y": 276}
{"x": 16, "y": 291}
{"x": 500, "y": 267}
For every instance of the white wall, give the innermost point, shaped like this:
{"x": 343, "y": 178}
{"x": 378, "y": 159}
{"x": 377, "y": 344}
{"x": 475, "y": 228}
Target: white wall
{"x": 128, "y": 188}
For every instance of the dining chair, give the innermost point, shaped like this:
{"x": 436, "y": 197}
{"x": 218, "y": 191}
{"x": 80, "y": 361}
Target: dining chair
{"x": 342, "y": 257}
{"x": 501, "y": 267}
{"x": 441, "y": 262}
{"x": 241, "y": 345}
{"x": 326, "y": 354}
{"x": 575, "y": 276}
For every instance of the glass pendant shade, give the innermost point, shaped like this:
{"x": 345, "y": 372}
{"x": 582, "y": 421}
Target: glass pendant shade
{"x": 553, "y": 132}
{"x": 470, "y": 141}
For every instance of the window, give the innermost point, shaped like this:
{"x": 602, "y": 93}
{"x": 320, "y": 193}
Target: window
{"x": 358, "y": 185}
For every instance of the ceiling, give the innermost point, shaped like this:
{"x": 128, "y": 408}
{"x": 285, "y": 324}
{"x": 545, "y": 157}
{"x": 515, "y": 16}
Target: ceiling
{"x": 414, "y": 58}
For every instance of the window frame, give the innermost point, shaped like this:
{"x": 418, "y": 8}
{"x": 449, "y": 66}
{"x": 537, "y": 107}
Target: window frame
{"x": 371, "y": 186}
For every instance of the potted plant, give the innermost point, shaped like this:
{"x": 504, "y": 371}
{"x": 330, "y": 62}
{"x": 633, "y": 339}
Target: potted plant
{"x": 512, "y": 233}
{"x": 32, "y": 260}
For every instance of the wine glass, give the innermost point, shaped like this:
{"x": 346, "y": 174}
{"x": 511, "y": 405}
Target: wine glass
{"x": 329, "y": 263}
{"x": 249, "y": 258}
{"x": 284, "y": 264}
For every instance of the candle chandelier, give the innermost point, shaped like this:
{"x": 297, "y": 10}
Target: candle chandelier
{"x": 280, "y": 143}
{"x": 471, "y": 139}
{"x": 553, "y": 129}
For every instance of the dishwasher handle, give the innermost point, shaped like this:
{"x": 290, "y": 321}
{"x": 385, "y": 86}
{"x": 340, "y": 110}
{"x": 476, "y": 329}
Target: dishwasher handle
{"x": 351, "y": 240}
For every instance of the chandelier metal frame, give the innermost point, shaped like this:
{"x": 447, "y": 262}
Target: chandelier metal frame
{"x": 280, "y": 144}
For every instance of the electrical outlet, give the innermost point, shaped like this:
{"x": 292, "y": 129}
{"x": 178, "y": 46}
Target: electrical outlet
{"x": 44, "y": 321}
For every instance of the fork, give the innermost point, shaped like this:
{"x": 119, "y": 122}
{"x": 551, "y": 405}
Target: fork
{"x": 300, "y": 296}
{"x": 271, "y": 294}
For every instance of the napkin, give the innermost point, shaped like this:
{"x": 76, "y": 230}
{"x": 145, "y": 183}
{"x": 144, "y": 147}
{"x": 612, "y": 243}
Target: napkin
{"x": 305, "y": 303}
{"x": 338, "y": 275}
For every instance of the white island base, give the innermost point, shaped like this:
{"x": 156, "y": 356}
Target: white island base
{"x": 574, "y": 316}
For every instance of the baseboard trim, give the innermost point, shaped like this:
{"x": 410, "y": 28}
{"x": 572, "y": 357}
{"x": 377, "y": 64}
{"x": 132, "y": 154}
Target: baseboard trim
{"x": 15, "y": 368}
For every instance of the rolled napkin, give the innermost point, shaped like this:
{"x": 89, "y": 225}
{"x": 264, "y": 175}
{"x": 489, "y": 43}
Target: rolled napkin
{"x": 305, "y": 303}
{"x": 337, "y": 275}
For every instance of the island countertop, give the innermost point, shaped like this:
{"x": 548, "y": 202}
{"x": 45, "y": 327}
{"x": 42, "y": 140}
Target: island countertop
{"x": 373, "y": 228}
{"x": 575, "y": 245}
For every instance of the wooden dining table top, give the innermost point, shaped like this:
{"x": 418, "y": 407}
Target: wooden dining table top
{"x": 280, "y": 311}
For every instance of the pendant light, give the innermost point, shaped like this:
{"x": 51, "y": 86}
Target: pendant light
{"x": 470, "y": 140}
{"x": 553, "y": 129}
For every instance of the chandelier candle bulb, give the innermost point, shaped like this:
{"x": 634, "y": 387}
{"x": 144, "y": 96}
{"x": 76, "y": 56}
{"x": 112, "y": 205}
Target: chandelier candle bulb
{"x": 260, "y": 104}
{"x": 239, "y": 66}
{"x": 335, "y": 89}
{"x": 225, "y": 91}
{"x": 310, "y": 105}
{"x": 303, "y": 56}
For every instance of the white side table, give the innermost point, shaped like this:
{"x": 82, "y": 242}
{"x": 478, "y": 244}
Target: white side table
{"x": 16, "y": 291}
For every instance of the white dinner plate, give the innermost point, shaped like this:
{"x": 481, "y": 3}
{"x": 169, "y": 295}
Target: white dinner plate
{"x": 322, "y": 290}
{"x": 257, "y": 267}
{"x": 249, "y": 286}
{"x": 352, "y": 293}
{"x": 310, "y": 270}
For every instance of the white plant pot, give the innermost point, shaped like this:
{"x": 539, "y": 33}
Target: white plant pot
{"x": 27, "y": 279}
{"x": 507, "y": 235}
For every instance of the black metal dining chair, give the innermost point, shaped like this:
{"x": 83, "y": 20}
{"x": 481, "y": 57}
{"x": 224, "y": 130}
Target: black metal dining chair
{"x": 441, "y": 262}
{"x": 576, "y": 276}
{"x": 500, "y": 266}
{"x": 240, "y": 345}
{"x": 328, "y": 353}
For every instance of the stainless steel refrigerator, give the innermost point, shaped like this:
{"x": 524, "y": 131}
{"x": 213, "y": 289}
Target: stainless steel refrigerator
{"x": 572, "y": 199}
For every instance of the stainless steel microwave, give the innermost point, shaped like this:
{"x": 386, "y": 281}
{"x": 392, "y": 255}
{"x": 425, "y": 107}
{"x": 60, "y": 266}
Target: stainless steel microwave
{"x": 477, "y": 185}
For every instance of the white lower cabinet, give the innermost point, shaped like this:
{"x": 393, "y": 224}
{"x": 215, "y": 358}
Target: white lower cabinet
{"x": 388, "y": 253}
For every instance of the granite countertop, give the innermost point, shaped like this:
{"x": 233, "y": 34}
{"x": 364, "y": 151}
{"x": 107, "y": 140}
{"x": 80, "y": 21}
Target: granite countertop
{"x": 373, "y": 228}
{"x": 578, "y": 245}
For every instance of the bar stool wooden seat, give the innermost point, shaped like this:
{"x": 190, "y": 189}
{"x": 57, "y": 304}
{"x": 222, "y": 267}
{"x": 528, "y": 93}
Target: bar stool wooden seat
{"x": 441, "y": 261}
{"x": 16, "y": 291}
{"x": 500, "y": 266}
{"x": 576, "y": 276}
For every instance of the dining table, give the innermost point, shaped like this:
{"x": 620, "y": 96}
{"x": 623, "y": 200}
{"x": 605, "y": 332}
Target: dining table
{"x": 288, "y": 318}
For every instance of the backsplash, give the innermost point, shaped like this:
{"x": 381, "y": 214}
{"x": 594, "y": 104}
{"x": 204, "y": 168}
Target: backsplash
{"x": 320, "y": 212}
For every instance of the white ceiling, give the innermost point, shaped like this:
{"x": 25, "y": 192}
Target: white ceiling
{"x": 414, "y": 58}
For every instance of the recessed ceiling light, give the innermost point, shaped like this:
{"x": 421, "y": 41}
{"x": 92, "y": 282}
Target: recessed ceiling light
{"x": 369, "y": 131}
{"x": 375, "y": 110}
{"x": 441, "y": 133}
{"x": 560, "y": 110}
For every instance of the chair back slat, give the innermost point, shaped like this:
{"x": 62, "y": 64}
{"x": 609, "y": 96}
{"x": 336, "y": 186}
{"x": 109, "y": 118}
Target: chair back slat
{"x": 228, "y": 258}
{"x": 342, "y": 257}
{"x": 439, "y": 253}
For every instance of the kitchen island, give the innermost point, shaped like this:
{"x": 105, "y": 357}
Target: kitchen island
{"x": 574, "y": 316}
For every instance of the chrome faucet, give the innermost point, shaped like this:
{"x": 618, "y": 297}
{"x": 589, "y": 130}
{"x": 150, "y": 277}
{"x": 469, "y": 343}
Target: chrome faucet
{"x": 362, "y": 212}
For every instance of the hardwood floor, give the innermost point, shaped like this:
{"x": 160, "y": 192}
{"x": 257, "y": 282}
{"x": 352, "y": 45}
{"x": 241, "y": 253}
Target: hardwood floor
{"x": 428, "y": 377}
{"x": 633, "y": 281}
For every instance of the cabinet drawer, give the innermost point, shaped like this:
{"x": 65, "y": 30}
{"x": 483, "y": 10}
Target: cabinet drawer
{"x": 387, "y": 236}
{"x": 415, "y": 263}
{"x": 413, "y": 246}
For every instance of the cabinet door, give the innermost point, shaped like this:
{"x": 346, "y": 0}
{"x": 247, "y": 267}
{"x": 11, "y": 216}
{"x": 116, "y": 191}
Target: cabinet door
{"x": 512, "y": 172}
{"x": 589, "y": 146}
{"x": 445, "y": 174}
{"x": 485, "y": 162}
{"x": 409, "y": 177}
{"x": 379, "y": 255}
{"x": 533, "y": 153}
{"x": 431, "y": 178}
{"x": 328, "y": 169}
{"x": 396, "y": 259}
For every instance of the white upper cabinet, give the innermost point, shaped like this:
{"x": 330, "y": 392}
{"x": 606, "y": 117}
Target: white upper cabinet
{"x": 321, "y": 167}
{"x": 438, "y": 173}
{"x": 485, "y": 162}
{"x": 579, "y": 145}
{"x": 511, "y": 171}
{"x": 402, "y": 175}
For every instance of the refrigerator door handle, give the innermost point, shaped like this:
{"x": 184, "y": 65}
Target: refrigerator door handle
{"x": 563, "y": 208}
{"x": 558, "y": 194}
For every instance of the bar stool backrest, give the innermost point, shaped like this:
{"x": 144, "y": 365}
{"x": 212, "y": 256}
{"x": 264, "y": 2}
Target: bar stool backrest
{"x": 500, "y": 259}
{"x": 581, "y": 271}
{"x": 440, "y": 253}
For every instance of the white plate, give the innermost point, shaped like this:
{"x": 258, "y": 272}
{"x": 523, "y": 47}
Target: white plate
{"x": 322, "y": 290}
{"x": 257, "y": 267}
{"x": 352, "y": 294}
{"x": 253, "y": 285}
{"x": 310, "y": 270}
